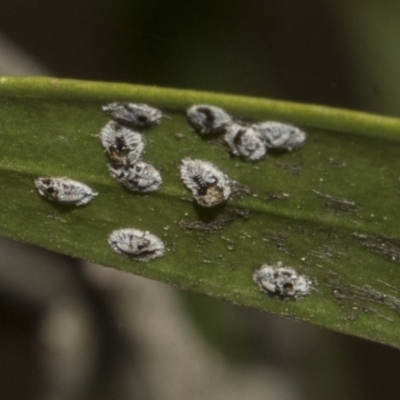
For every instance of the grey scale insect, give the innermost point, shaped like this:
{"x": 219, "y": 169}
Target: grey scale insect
{"x": 280, "y": 136}
{"x": 139, "y": 177}
{"x": 64, "y": 190}
{"x": 207, "y": 183}
{"x": 208, "y": 119}
{"x": 123, "y": 145}
{"x": 245, "y": 141}
{"x": 281, "y": 282}
{"x": 136, "y": 245}
{"x": 135, "y": 115}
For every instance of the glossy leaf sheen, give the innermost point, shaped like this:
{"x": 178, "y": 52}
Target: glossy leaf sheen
{"x": 329, "y": 210}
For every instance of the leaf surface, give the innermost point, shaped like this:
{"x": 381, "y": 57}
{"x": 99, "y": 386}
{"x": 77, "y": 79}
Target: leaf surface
{"x": 330, "y": 210}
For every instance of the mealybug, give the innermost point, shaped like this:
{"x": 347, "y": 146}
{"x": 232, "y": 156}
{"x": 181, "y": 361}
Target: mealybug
{"x": 208, "y": 119}
{"x": 135, "y": 244}
{"x": 207, "y": 183}
{"x": 136, "y": 115}
{"x": 281, "y": 282}
{"x": 139, "y": 177}
{"x": 245, "y": 141}
{"x": 64, "y": 190}
{"x": 280, "y": 136}
{"x": 123, "y": 145}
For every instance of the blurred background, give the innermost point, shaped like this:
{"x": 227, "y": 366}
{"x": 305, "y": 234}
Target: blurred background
{"x": 71, "y": 330}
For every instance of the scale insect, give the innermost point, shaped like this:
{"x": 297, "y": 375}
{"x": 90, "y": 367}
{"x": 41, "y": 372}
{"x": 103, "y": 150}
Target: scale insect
{"x": 280, "y": 136}
{"x": 207, "y": 183}
{"x": 139, "y": 177}
{"x": 281, "y": 282}
{"x": 208, "y": 119}
{"x": 64, "y": 190}
{"x": 135, "y": 115}
{"x": 135, "y": 244}
{"x": 245, "y": 141}
{"x": 123, "y": 145}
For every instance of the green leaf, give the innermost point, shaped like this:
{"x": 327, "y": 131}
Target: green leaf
{"x": 329, "y": 210}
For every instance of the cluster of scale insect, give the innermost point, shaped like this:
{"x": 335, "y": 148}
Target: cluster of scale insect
{"x": 125, "y": 146}
{"x": 251, "y": 142}
{"x": 135, "y": 244}
{"x": 245, "y": 141}
{"x": 207, "y": 183}
{"x": 64, "y": 190}
{"x": 280, "y": 136}
{"x": 139, "y": 177}
{"x": 281, "y": 282}
{"x": 134, "y": 115}
{"x": 208, "y": 119}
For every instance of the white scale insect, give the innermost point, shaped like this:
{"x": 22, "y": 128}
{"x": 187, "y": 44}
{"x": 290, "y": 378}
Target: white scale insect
{"x": 135, "y": 244}
{"x": 280, "y": 136}
{"x": 207, "y": 183}
{"x": 139, "y": 177}
{"x": 281, "y": 282}
{"x": 64, "y": 190}
{"x": 245, "y": 141}
{"x": 123, "y": 145}
{"x": 208, "y": 119}
{"x": 136, "y": 115}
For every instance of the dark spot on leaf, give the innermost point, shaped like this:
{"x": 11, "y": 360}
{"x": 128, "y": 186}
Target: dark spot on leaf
{"x": 207, "y": 227}
{"x": 336, "y": 203}
{"x": 292, "y": 167}
{"x": 362, "y": 299}
{"x": 276, "y": 196}
{"x": 384, "y": 246}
